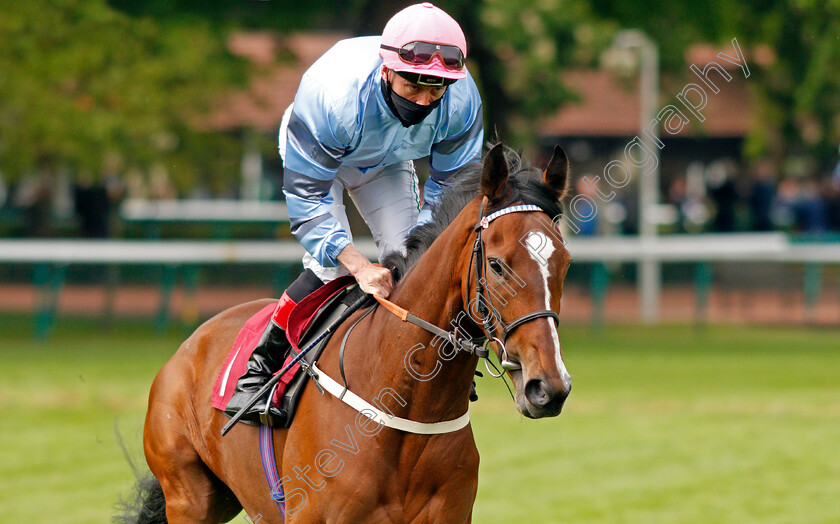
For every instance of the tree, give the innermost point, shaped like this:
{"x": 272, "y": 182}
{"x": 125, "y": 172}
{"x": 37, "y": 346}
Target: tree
{"x": 799, "y": 90}
{"x": 85, "y": 80}
{"x": 521, "y": 48}
{"x": 82, "y": 81}
{"x": 794, "y": 56}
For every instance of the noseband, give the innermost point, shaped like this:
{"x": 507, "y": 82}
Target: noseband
{"x": 479, "y": 258}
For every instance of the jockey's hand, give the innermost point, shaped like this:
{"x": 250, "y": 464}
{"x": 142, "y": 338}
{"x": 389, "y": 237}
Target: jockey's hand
{"x": 375, "y": 280}
{"x": 372, "y": 278}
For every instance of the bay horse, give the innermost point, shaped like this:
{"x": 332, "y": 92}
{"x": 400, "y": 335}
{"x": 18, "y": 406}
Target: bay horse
{"x": 336, "y": 469}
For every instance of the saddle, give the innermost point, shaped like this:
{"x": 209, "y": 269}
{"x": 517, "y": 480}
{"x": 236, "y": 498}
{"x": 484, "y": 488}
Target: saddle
{"x": 307, "y": 321}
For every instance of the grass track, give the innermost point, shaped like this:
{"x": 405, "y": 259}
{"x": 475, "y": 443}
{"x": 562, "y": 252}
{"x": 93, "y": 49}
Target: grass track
{"x": 665, "y": 425}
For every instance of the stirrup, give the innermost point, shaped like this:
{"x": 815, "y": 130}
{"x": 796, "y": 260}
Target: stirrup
{"x": 266, "y": 418}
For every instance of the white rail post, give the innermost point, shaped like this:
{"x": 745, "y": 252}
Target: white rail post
{"x": 650, "y": 268}
{"x": 650, "y": 284}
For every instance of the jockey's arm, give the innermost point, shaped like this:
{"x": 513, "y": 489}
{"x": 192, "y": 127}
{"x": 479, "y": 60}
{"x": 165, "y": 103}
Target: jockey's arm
{"x": 460, "y": 147}
{"x": 315, "y": 144}
{"x": 308, "y": 175}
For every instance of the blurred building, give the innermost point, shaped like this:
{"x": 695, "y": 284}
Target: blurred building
{"x": 281, "y": 62}
{"x": 596, "y": 130}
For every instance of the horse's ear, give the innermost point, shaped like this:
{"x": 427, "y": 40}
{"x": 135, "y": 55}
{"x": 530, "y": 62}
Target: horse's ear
{"x": 495, "y": 174}
{"x": 556, "y": 175}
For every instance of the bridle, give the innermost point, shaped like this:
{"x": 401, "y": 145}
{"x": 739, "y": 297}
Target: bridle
{"x": 457, "y": 337}
{"x": 479, "y": 257}
{"x": 477, "y": 346}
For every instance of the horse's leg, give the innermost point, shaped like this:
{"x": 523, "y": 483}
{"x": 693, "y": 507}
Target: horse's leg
{"x": 453, "y": 488}
{"x": 193, "y": 493}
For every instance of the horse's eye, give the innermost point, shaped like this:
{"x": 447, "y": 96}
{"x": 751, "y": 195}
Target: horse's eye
{"x": 496, "y": 266}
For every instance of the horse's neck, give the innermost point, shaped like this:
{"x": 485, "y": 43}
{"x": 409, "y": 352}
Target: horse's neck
{"x": 431, "y": 290}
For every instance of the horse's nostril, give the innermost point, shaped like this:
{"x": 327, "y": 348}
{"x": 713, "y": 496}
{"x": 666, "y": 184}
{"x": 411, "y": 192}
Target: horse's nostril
{"x": 538, "y": 392}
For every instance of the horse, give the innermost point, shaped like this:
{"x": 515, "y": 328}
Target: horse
{"x": 337, "y": 465}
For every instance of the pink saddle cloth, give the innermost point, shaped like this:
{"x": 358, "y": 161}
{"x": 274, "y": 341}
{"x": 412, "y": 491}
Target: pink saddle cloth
{"x": 299, "y": 319}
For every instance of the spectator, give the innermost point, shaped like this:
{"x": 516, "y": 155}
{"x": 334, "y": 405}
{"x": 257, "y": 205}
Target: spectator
{"x": 722, "y": 191}
{"x": 782, "y": 211}
{"x": 34, "y": 195}
{"x": 586, "y": 213}
{"x": 160, "y": 186}
{"x": 92, "y": 206}
{"x": 94, "y": 200}
{"x": 688, "y": 195}
{"x": 831, "y": 197}
{"x": 761, "y": 196}
{"x": 810, "y": 209}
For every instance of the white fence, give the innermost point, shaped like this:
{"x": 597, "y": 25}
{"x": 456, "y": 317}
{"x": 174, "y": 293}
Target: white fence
{"x": 651, "y": 253}
{"x": 139, "y": 252}
{"x": 758, "y": 247}
{"x": 204, "y": 210}
{"x": 50, "y": 257}
{"x": 706, "y": 248}
{"x": 737, "y": 247}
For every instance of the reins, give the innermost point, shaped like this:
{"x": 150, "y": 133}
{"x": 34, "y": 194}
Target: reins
{"x": 464, "y": 344}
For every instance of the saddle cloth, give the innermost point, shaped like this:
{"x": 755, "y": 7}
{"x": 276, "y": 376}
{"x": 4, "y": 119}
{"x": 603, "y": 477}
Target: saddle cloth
{"x": 308, "y": 319}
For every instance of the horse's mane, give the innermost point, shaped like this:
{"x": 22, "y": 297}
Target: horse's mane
{"x": 524, "y": 181}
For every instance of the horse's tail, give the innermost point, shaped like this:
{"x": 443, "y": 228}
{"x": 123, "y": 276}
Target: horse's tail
{"x": 147, "y": 505}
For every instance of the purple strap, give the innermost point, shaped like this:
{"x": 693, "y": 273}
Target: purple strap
{"x": 270, "y": 469}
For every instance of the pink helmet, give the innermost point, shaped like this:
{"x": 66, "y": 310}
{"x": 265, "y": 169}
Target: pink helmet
{"x": 424, "y": 39}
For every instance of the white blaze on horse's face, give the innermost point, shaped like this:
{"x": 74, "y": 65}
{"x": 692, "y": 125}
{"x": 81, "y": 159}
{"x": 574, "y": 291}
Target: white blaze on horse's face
{"x": 540, "y": 249}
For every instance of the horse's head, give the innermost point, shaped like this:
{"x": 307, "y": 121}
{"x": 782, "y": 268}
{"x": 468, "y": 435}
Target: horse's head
{"x": 514, "y": 280}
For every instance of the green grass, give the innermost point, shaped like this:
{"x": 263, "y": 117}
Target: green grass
{"x": 665, "y": 425}
{"x": 669, "y": 425}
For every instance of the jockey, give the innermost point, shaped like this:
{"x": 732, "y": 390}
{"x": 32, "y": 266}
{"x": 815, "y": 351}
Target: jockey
{"x": 363, "y": 113}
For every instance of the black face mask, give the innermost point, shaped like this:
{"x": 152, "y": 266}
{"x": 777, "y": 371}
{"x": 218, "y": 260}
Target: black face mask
{"x": 406, "y": 111}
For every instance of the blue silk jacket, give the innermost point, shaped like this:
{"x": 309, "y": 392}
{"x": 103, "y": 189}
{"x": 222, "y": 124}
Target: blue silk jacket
{"x": 340, "y": 118}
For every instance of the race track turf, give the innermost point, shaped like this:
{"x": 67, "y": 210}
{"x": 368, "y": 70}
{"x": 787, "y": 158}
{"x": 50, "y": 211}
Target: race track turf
{"x": 664, "y": 425}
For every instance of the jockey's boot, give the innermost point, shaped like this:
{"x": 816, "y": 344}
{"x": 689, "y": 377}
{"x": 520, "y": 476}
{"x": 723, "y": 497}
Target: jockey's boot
{"x": 269, "y": 355}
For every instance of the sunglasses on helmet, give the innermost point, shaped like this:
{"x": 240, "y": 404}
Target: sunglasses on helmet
{"x": 419, "y": 53}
